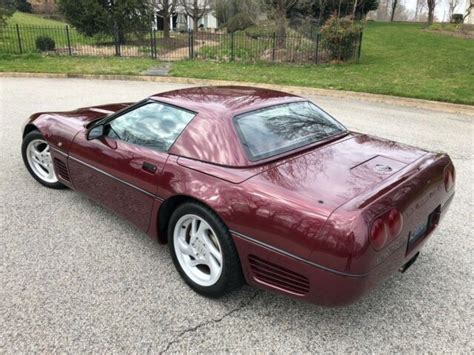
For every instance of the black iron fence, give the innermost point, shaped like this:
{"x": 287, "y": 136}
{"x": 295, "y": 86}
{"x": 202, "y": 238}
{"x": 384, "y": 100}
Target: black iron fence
{"x": 239, "y": 46}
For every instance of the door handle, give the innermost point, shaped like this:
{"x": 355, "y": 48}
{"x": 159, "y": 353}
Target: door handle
{"x": 151, "y": 168}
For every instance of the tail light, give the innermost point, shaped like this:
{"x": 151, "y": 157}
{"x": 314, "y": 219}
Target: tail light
{"x": 449, "y": 177}
{"x": 386, "y": 228}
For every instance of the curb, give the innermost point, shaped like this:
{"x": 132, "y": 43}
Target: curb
{"x": 298, "y": 90}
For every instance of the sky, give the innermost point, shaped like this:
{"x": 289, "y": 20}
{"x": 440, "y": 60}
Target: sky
{"x": 441, "y": 9}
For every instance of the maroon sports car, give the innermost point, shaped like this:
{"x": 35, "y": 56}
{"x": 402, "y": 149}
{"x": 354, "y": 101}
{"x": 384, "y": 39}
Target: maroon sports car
{"x": 248, "y": 184}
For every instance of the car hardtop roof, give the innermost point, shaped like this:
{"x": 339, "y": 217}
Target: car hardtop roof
{"x": 228, "y": 100}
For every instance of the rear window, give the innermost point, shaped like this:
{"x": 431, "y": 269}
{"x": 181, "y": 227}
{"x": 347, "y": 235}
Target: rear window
{"x": 278, "y": 129}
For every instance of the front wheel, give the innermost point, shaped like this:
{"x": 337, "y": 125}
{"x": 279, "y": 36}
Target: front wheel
{"x": 38, "y": 161}
{"x": 203, "y": 251}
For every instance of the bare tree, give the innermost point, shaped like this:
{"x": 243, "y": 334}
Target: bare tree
{"x": 452, "y": 6}
{"x": 354, "y": 10}
{"x": 469, "y": 9}
{"x": 417, "y": 8}
{"x": 279, "y": 9}
{"x": 431, "y": 8}
{"x": 322, "y": 7}
{"x": 165, "y": 9}
{"x": 196, "y": 9}
{"x": 394, "y": 8}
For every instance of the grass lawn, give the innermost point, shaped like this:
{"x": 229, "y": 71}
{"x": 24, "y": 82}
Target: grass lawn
{"x": 397, "y": 59}
{"x": 36, "y": 63}
{"x": 25, "y": 19}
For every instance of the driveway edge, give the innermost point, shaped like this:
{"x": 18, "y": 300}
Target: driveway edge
{"x": 298, "y": 90}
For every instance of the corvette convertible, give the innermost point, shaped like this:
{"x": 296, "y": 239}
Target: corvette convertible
{"x": 250, "y": 185}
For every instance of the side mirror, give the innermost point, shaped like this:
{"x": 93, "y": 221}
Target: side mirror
{"x": 95, "y": 132}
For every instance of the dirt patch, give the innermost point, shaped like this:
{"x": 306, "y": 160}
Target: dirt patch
{"x": 183, "y": 53}
{"x": 458, "y": 34}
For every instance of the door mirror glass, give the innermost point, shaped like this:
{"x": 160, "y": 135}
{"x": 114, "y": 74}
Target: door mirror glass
{"x": 96, "y": 132}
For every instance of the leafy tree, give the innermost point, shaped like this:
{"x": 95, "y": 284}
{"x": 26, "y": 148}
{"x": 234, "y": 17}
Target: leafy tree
{"x": 339, "y": 36}
{"x": 23, "y": 6}
{"x": 7, "y": 8}
{"x": 112, "y": 17}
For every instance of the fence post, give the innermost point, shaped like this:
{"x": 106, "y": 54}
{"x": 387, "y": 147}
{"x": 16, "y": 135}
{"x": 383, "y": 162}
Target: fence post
{"x": 318, "y": 38}
{"x": 155, "y": 47}
{"x": 232, "y": 46}
{"x": 152, "y": 51}
{"x": 189, "y": 43}
{"x": 273, "y": 48}
{"x": 68, "y": 40}
{"x": 19, "y": 38}
{"x": 360, "y": 46}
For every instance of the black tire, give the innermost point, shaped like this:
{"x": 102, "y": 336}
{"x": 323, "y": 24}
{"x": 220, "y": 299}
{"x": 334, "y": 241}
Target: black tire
{"x": 26, "y": 140}
{"x": 231, "y": 277}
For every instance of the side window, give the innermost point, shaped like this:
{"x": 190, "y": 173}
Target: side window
{"x": 153, "y": 125}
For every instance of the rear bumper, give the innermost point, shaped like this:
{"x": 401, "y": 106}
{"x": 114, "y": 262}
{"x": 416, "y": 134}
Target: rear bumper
{"x": 269, "y": 268}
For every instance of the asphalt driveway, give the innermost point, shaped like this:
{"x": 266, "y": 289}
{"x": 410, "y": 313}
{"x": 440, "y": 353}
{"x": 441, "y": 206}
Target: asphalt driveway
{"x": 76, "y": 278}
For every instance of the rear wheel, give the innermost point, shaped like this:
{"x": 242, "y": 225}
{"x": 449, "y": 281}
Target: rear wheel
{"x": 37, "y": 158}
{"x": 203, "y": 251}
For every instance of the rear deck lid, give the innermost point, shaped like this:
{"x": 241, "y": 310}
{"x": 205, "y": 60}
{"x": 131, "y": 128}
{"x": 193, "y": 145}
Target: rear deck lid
{"x": 333, "y": 174}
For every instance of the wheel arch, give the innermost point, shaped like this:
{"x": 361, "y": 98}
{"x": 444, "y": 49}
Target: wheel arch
{"x": 167, "y": 208}
{"x": 29, "y": 128}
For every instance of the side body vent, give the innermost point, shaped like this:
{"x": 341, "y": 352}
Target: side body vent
{"x": 278, "y": 276}
{"x": 61, "y": 169}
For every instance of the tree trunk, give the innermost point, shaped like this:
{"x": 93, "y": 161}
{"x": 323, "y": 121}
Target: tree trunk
{"x": 121, "y": 35}
{"x": 195, "y": 25}
{"x": 431, "y": 7}
{"x": 166, "y": 26}
{"x": 280, "y": 19}
{"x": 430, "y": 17}
{"x": 394, "y": 8}
{"x": 281, "y": 34}
{"x": 354, "y": 10}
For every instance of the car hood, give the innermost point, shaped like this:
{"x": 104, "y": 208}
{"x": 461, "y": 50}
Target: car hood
{"x": 61, "y": 127}
{"x": 85, "y": 115}
{"x": 333, "y": 174}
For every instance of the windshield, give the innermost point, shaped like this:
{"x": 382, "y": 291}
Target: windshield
{"x": 278, "y": 129}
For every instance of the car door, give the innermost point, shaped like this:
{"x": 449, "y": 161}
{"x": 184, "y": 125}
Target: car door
{"x": 121, "y": 168}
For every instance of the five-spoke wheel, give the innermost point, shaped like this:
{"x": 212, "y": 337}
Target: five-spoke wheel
{"x": 203, "y": 250}
{"x": 37, "y": 158}
{"x": 198, "y": 250}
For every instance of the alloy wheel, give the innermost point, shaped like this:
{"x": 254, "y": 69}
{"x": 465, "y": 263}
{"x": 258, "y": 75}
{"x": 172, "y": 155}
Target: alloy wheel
{"x": 198, "y": 250}
{"x": 40, "y": 161}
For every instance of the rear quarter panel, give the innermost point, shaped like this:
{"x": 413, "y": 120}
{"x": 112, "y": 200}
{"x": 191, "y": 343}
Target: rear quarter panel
{"x": 415, "y": 191}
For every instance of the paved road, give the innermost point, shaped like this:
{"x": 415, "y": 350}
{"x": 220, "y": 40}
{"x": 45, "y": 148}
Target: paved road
{"x": 74, "y": 277}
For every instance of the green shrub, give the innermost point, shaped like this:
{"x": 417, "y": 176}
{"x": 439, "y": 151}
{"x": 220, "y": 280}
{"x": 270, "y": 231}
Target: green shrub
{"x": 45, "y": 43}
{"x": 339, "y": 36}
{"x": 262, "y": 30}
{"x": 457, "y": 18}
{"x": 239, "y": 22}
{"x": 23, "y": 6}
